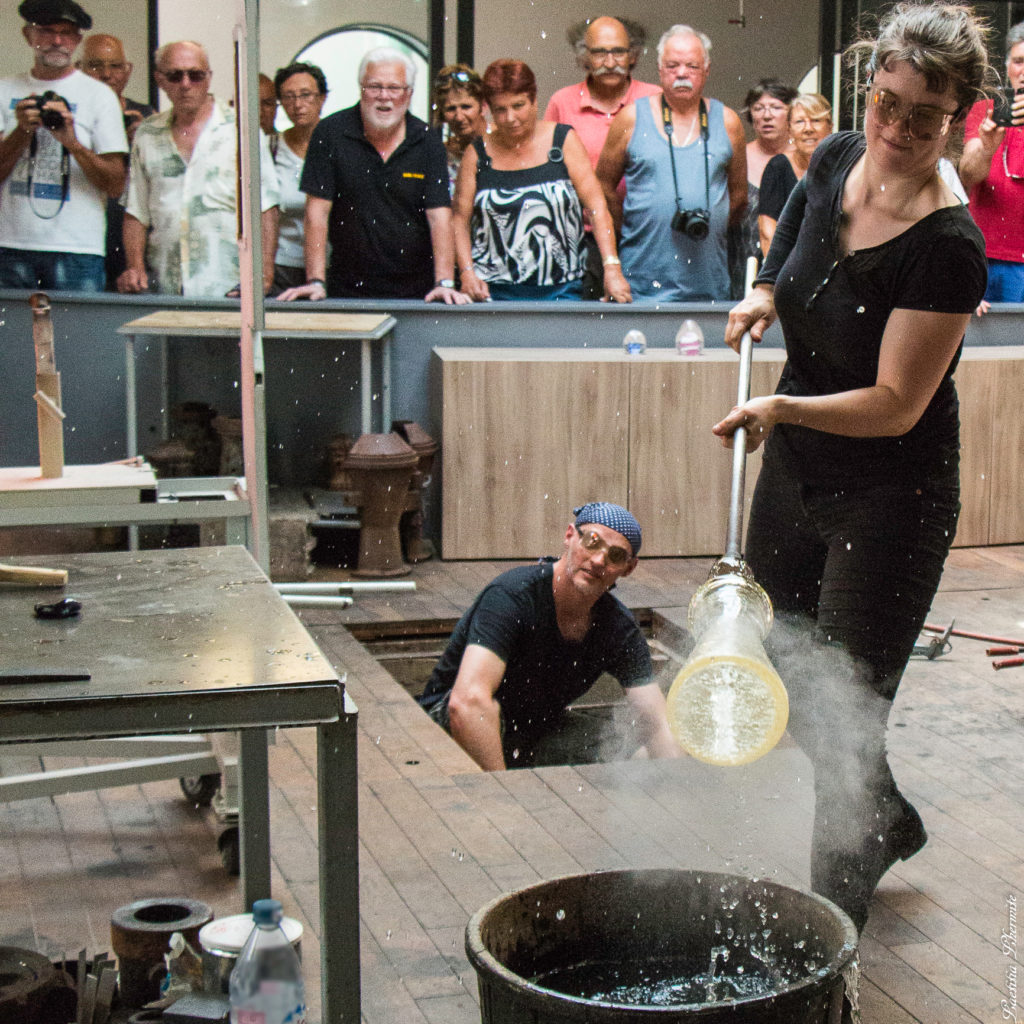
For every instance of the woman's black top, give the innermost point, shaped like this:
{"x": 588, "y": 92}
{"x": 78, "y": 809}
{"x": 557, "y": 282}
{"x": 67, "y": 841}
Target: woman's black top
{"x": 778, "y": 180}
{"x": 833, "y": 311}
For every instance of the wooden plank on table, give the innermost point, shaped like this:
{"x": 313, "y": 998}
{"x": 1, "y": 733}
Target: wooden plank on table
{"x": 227, "y": 322}
{"x": 107, "y": 484}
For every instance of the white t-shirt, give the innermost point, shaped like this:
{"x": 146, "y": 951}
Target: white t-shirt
{"x": 34, "y": 223}
{"x": 291, "y": 233}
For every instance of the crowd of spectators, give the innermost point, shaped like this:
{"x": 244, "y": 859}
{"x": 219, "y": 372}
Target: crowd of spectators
{"x": 624, "y": 190}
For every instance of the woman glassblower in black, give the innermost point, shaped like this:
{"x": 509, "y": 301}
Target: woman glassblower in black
{"x": 874, "y": 271}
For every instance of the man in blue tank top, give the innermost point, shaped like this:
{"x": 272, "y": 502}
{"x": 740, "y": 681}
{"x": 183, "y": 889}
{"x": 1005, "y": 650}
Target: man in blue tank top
{"x": 684, "y": 160}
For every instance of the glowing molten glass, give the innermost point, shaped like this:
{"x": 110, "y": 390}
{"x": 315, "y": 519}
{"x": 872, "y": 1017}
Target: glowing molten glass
{"x": 727, "y": 705}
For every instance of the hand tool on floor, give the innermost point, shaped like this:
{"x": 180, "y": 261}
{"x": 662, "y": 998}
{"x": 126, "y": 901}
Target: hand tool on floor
{"x": 931, "y": 645}
{"x": 727, "y": 705}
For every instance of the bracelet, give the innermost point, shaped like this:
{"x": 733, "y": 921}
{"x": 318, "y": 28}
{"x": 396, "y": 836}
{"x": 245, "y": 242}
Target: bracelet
{"x": 318, "y": 280}
{"x": 612, "y": 261}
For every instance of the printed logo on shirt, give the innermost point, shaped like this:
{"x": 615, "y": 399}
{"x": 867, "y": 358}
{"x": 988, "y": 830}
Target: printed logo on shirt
{"x": 412, "y": 174}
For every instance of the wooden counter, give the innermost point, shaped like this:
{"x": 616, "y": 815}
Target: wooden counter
{"x": 528, "y": 433}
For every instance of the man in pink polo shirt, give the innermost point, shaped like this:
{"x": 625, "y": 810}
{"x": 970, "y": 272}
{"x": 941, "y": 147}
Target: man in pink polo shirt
{"x": 608, "y": 55}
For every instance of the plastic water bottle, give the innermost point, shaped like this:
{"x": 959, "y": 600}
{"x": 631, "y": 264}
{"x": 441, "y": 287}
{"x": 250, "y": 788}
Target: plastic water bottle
{"x": 266, "y": 985}
{"x": 634, "y": 343}
{"x": 689, "y": 339}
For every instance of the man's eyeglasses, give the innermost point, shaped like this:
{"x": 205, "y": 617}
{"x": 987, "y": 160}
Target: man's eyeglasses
{"x": 97, "y": 67}
{"x": 924, "y": 122}
{"x": 600, "y": 52}
{"x": 195, "y": 75}
{"x": 299, "y": 97}
{"x": 392, "y": 91}
{"x": 616, "y": 556}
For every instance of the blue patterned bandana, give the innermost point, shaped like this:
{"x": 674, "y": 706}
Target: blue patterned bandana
{"x": 615, "y": 517}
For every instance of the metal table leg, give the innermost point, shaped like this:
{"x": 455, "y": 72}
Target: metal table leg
{"x": 385, "y": 382}
{"x": 366, "y": 386}
{"x": 254, "y": 816}
{"x": 338, "y": 838}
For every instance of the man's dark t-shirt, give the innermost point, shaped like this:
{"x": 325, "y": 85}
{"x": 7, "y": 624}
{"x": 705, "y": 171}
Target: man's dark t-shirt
{"x": 378, "y": 227}
{"x": 514, "y": 616}
{"x": 116, "y": 262}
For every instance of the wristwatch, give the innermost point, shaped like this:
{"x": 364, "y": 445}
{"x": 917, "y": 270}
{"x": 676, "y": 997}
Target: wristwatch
{"x": 318, "y": 280}
{"x": 445, "y": 282}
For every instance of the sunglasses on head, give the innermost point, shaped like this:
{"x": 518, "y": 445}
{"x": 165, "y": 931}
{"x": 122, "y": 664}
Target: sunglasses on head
{"x": 177, "y": 75}
{"x": 462, "y": 77}
{"x": 592, "y": 542}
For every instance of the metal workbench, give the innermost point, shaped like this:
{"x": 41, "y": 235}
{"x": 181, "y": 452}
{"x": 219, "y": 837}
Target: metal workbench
{"x": 197, "y": 640}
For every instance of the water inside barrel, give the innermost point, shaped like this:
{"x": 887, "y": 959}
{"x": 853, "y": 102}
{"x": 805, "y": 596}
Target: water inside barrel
{"x": 668, "y": 982}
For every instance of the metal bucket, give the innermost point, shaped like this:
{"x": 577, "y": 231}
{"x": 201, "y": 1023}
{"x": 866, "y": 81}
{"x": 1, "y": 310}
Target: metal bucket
{"x": 222, "y": 940}
{"x": 661, "y": 923}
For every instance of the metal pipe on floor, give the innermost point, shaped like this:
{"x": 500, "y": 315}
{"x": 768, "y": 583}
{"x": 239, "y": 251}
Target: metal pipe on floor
{"x": 316, "y": 600}
{"x": 353, "y": 586}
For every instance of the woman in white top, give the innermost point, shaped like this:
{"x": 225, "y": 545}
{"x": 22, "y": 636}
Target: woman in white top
{"x": 302, "y": 90}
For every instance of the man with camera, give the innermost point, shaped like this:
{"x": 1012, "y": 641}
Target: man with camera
{"x": 103, "y": 58}
{"x": 62, "y": 154}
{"x": 684, "y": 159}
{"x": 992, "y": 172}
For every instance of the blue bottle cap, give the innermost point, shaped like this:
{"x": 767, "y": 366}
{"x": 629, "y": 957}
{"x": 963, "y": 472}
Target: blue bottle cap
{"x": 266, "y": 912}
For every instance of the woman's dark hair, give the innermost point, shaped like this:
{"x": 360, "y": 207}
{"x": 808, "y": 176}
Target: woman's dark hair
{"x": 507, "y": 75}
{"x": 300, "y": 68}
{"x": 774, "y": 87}
{"x": 455, "y": 78}
{"x": 944, "y": 42}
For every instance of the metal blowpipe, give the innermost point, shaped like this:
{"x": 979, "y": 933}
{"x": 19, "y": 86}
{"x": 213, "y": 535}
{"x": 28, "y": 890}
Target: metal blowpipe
{"x": 727, "y": 705}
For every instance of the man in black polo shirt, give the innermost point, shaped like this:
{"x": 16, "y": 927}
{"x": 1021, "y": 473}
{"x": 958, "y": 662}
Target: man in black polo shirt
{"x": 376, "y": 184}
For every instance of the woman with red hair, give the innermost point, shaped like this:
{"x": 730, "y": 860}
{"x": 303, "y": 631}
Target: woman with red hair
{"x": 517, "y": 211}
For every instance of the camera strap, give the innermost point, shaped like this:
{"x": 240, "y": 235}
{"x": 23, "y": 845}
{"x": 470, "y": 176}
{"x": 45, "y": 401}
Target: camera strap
{"x": 65, "y": 178}
{"x": 666, "y": 117}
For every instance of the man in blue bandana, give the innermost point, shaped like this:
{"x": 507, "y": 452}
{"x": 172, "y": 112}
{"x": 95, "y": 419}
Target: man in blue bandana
{"x": 537, "y": 638}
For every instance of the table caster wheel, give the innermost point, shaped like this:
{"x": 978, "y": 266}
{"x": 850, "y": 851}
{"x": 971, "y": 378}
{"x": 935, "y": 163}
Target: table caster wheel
{"x": 200, "y": 789}
{"x": 230, "y": 854}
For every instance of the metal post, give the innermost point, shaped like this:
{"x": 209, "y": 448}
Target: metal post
{"x": 337, "y": 812}
{"x": 250, "y": 253}
{"x": 254, "y": 816}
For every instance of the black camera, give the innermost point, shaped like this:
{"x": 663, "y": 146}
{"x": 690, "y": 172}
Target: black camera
{"x": 1002, "y": 113}
{"x": 52, "y": 119}
{"x": 695, "y": 224}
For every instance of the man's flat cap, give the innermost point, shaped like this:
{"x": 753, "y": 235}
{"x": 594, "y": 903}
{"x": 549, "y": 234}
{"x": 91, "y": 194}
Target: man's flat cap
{"x": 49, "y": 12}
